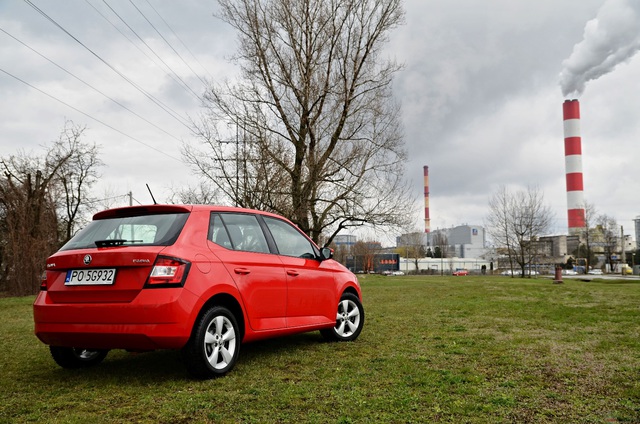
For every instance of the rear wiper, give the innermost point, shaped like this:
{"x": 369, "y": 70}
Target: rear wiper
{"x": 114, "y": 242}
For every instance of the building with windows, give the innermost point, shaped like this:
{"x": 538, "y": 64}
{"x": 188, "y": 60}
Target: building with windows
{"x": 345, "y": 242}
{"x": 463, "y": 241}
{"x": 467, "y": 241}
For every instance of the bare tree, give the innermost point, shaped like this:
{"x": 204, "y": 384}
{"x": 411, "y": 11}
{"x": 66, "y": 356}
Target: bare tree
{"x": 365, "y": 251}
{"x": 315, "y": 134}
{"x": 588, "y": 233}
{"x": 516, "y": 221}
{"x": 30, "y": 223}
{"x": 77, "y": 173}
{"x": 498, "y": 223}
{"x": 609, "y": 231}
{"x": 413, "y": 246}
{"x": 41, "y": 199}
{"x": 441, "y": 243}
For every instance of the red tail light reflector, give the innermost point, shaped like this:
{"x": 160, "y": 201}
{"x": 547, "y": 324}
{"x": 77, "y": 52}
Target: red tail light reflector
{"x": 43, "y": 281}
{"x": 168, "y": 272}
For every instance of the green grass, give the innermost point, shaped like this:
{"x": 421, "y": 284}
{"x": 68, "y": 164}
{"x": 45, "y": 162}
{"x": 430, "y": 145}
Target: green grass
{"x": 433, "y": 349}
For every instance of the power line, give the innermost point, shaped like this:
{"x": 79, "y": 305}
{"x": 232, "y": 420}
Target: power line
{"x": 184, "y": 84}
{"x": 167, "y": 70}
{"x": 106, "y": 198}
{"x": 168, "y": 44}
{"x": 87, "y": 115}
{"x": 160, "y": 104}
{"x": 88, "y": 85}
{"x": 179, "y": 39}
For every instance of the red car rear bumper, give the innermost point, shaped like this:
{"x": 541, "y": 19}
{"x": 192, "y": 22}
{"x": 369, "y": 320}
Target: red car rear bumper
{"x": 155, "y": 319}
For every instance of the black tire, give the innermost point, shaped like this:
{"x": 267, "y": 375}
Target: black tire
{"x": 349, "y": 320}
{"x": 213, "y": 348}
{"x": 75, "y": 357}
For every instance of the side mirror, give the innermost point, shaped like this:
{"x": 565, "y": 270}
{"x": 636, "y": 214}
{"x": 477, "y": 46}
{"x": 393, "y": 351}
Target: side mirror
{"x": 326, "y": 253}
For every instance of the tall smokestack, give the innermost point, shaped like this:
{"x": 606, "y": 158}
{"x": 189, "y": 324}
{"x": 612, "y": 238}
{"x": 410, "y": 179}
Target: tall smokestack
{"x": 427, "y": 221}
{"x": 573, "y": 166}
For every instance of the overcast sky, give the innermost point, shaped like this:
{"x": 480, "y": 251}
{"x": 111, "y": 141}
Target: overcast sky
{"x": 480, "y": 94}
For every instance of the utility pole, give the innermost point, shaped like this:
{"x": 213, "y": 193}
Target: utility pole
{"x": 622, "y": 257}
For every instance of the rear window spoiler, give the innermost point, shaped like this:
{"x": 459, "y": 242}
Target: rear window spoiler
{"x": 141, "y": 210}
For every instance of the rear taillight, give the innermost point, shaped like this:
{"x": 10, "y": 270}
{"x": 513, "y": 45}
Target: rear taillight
{"x": 43, "y": 281}
{"x": 168, "y": 272}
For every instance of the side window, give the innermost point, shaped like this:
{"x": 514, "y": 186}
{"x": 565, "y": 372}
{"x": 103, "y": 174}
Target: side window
{"x": 218, "y": 233}
{"x": 289, "y": 240}
{"x": 238, "y": 232}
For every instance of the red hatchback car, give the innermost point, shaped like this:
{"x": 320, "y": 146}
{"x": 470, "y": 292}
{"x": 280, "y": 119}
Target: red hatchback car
{"x": 203, "y": 279}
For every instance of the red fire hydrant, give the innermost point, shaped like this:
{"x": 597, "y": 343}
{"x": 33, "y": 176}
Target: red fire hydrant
{"x": 558, "y": 277}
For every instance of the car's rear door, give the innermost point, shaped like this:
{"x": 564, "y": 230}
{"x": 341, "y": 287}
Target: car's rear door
{"x": 239, "y": 242}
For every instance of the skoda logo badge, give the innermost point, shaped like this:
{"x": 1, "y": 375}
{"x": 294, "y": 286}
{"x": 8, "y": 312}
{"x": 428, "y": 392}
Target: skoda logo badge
{"x": 87, "y": 259}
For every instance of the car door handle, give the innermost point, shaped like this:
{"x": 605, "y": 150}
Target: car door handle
{"x": 242, "y": 271}
{"x": 292, "y": 273}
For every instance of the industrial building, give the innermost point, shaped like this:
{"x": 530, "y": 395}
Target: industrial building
{"x": 463, "y": 241}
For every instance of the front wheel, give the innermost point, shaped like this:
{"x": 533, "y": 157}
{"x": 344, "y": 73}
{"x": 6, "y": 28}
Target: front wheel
{"x": 349, "y": 320}
{"x": 74, "y": 357}
{"x": 214, "y": 346}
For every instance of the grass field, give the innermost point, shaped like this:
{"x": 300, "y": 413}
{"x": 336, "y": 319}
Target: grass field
{"x": 433, "y": 349}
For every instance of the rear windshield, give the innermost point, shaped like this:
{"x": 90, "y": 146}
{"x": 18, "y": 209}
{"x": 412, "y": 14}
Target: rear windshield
{"x": 143, "y": 230}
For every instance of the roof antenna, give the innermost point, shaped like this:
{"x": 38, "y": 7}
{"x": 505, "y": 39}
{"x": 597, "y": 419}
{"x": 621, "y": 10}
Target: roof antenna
{"x": 152, "y": 198}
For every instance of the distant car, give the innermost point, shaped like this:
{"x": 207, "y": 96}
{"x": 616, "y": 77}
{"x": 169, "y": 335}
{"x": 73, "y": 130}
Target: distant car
{"x": 595, "y": 271}
{"x": 396, "y": 273}
{"x": 459, "y": 272}
{"x": 203, "y": 279}
{"x": 569, "y": 272}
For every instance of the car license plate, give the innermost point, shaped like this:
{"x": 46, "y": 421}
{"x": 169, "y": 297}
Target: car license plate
{"x": 79, "y": 277}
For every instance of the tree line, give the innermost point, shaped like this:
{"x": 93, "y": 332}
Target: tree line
{"x": 517, "y": 220}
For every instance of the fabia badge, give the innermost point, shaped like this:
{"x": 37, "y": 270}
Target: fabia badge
{"x": 87, "y": 259}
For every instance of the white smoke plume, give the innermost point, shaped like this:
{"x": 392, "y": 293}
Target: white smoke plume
{"x": 611, "y": 38}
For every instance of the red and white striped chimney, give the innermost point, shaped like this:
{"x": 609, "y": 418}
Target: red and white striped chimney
{"x": 427, "y": 221}
{"x": 573, "y": 166}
